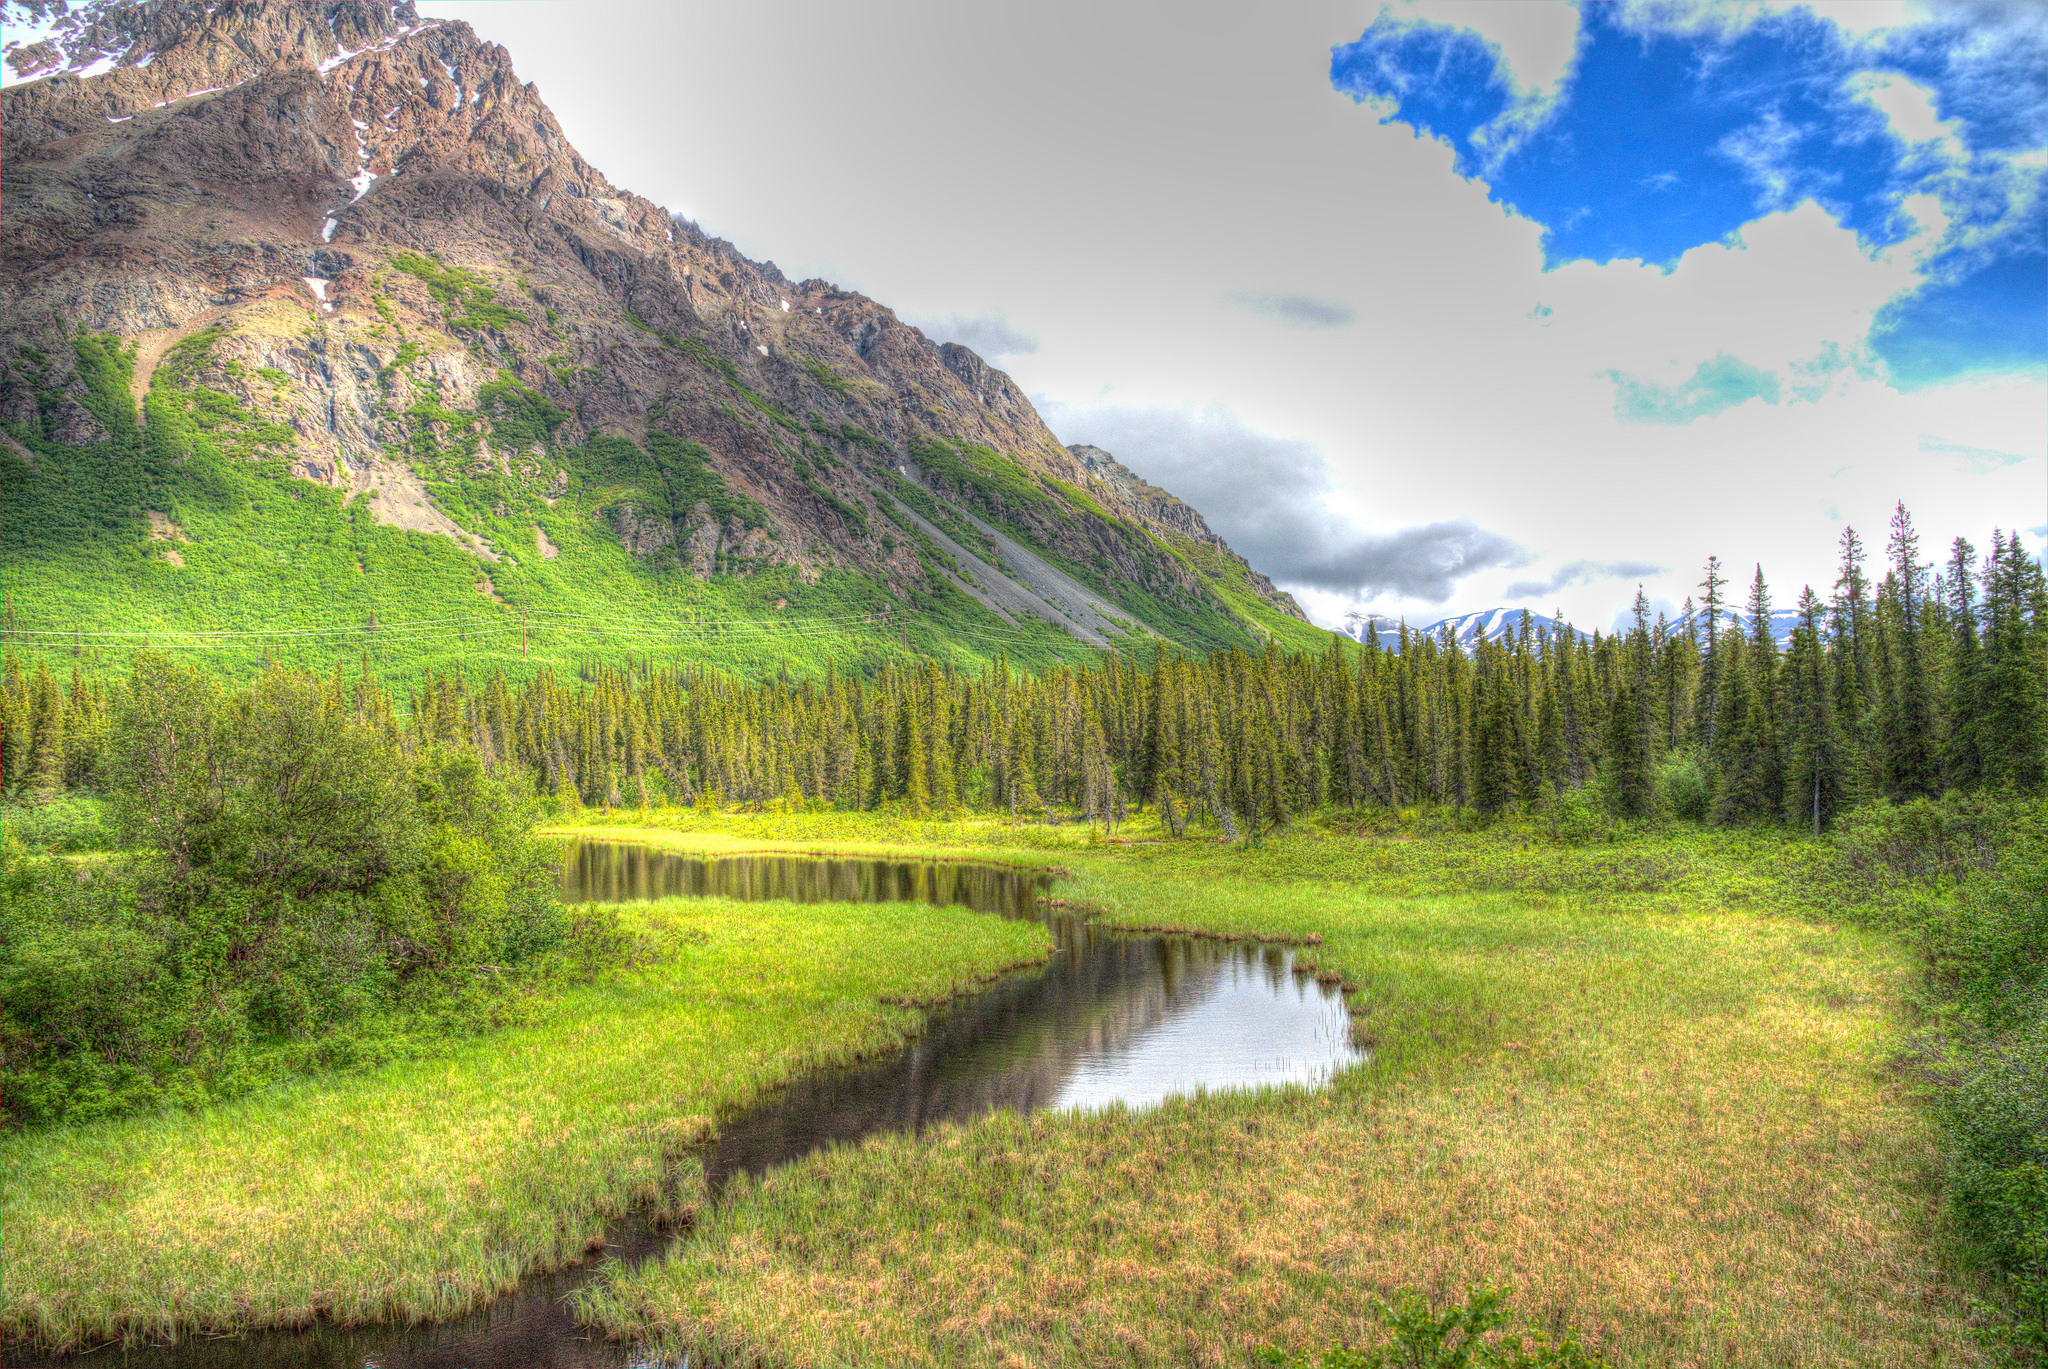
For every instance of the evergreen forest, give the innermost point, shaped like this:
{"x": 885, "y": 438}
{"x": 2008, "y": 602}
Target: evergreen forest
{"x": 1907, "y": 681}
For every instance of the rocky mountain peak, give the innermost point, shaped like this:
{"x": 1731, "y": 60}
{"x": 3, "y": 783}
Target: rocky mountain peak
{"x": 372, "y": 213}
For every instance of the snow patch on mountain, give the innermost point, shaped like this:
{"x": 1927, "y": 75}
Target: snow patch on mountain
{"x": 1505, "y": 624}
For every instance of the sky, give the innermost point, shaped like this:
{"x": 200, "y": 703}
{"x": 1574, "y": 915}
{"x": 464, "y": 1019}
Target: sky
{"x": 1428, "y": 307}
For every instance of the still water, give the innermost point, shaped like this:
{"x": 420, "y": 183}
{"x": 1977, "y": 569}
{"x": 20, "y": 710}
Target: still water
{"x": 1111, "y": 1019}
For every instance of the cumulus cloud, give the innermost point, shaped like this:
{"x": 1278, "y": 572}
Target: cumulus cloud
{"x": 990, "y": 335}
{"x": 1270, "y": 499}
{"x": 1582, "y": 573}
{"x": 1297, "y": 311}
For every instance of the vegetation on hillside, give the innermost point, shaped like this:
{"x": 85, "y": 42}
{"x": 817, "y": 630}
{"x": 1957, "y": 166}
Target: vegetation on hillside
{"x": 193, "y": 531}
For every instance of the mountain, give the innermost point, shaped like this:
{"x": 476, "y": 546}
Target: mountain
{"x": 318, "y": 331}
{"x": 1503, "y": 624}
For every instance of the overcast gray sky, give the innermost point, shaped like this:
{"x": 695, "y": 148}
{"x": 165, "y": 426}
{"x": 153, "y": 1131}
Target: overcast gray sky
{"x": 1193, "y": 248}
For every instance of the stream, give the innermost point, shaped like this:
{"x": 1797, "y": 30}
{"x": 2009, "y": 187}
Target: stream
{"x": 1110, "y": 1019}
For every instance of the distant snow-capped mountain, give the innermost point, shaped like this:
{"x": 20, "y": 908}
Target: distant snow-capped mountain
{"x": 1503, "y": 624}
{"x": 1491, "y": 625}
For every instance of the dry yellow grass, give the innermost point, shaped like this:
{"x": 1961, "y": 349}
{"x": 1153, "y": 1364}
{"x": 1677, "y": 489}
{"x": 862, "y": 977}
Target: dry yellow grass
{"x": 1666, "y": 1123}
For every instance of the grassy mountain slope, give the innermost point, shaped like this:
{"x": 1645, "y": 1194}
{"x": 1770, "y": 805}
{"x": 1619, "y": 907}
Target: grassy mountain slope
{"x": 349, "y": 351}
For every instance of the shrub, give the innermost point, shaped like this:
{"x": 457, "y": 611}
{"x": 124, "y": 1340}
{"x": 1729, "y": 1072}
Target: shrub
{"x": 1683, "y": 787}
{"x": 67, "y": 823}
{"x": 298, "y": 891}
{"x": 1940, "y": 840}
{"x": 1577, "y": 818}
{"x": 1465, "y": 1335}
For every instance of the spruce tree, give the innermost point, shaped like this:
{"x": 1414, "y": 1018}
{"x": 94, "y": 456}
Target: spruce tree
{"x": 1817, "y": 784}
{"x": 2013, "y": 686}
{"x": 1711, "y": 605}
{"x": 1909, "y": 740}
{"x": 44, "y": 777}
{"x": 1493, "y": 778}
{"x": 1963, "y": 695}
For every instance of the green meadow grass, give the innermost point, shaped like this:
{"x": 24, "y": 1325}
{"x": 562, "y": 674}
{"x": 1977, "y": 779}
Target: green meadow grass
{"x": 1646, "y": 1085}
{"x": 417, "y": 1190}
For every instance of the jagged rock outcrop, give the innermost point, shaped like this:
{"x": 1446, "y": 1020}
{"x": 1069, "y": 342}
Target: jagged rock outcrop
{"x": 372, "y": 241}
{"x": 1162, "y": 512}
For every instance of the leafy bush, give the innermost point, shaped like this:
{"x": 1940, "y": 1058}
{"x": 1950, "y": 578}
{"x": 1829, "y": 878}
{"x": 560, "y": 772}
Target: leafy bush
{"x": 1991, "y": 958}
{"x": 1465, "y": 1335}
{"x": 297, "y": 892}
{"x": 1684, "y": 788}
{"x": 1939, "y": 840}
{"x": 1967, "y": 875}
{"x": 66, "y": 823}
{"x": 1576, "y": 817}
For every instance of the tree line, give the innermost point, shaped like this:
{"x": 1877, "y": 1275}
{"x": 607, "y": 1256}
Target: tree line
{"x": 1913, "y": 682}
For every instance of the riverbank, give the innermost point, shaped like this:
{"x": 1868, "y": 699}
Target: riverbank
{"x": 1621, "y": 1079}
{"x": 419, "y": 1189}
{"x": 1649, "y": 1084}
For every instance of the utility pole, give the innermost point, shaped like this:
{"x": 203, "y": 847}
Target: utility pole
{"x": 522, "y": 634}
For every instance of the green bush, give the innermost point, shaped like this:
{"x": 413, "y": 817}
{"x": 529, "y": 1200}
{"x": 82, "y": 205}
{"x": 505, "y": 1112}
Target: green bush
{"x": 1576, "y": 817}
{"x": 1967, "y": 875}
{"x": 1465, "y": 1335}
{"x": 1684, "y": 789}
{"x": 1926, "y": 840}
{"x": 297, "y": 892}
{"x": 1992, "y": 1066}
{"x": 66, "y": 823}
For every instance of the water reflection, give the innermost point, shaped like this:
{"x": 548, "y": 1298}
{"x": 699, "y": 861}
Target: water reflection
{"x": 1111, "y": 1018}
{"x": 613, "y": 872}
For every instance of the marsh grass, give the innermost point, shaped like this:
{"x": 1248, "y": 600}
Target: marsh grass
{"x": 417, "y": 1190}
{"x": 1609, "y": 1076}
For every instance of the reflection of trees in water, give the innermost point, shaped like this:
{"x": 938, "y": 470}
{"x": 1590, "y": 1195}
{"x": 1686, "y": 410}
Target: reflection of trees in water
{"x": 1016, "y": 1045}
{"x": 608, "y": 872}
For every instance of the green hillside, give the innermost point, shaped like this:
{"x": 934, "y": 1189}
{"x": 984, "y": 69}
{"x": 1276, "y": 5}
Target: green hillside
{"x": 245, "y": 561}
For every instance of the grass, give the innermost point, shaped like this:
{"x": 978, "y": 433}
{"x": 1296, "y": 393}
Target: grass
{"x": 1648, "y": 1084}
{"x": 1619, "y": 1079}
{"x": 417, "y": 1190}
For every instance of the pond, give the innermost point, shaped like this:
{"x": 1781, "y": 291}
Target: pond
{"x": 1111, "y": 1019}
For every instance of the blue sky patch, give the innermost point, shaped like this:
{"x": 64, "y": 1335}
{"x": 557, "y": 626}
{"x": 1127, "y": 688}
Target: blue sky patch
{"x": 1659, "y": 141}
{"x": 1994, "y": 319}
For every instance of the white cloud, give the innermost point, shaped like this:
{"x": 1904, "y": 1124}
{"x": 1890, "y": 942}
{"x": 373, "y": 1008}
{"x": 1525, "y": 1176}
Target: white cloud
{"x": 1114, "y": 199}
{"x": 1857, "y": 18}
{"x": 1909, "y": 110}
{"x": 1907, "y": 105}
{"x": 1534, "y": 44}
{"x": 1537, "y": 40}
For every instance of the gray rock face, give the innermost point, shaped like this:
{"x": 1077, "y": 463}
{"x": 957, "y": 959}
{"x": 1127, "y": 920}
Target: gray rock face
{"x": 1162, "y": 512}
{"x": 374, "y": 213}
